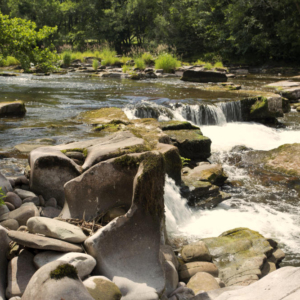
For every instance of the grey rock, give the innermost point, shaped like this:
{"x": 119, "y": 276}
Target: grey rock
{"x": 138, "y": 260}
{"x": 10, "y": 206}
{"x": 15, "y": 298}
{"x": 203, "y": 76}
{"x": 10, "y": 224}
{"x": 50, "y": 212}
{"x": 3, "y": 261}
{"x": 56, "y": 229}
{"x": 101, "y": 288}
{"x": 171, "y": 277}
{"x": 202, "y": 281}
{"x": 196, "y": 252}
{"x": 24, "y": 194}
{"x": 84, "y": 263}
{"x": 268, "y": 268}
{"x": 22, "y": 180}
{"x": 169, "y": 255}
{"x": 4, "y": 210}
{"x": 20, "y": 271}
{"x": 281, "y": 284}
{"x": 21, "y": 214}
{"x": 51, "y": 202}
{"x": 42, "y": 243}
{"x": 34, "y": 200}
{"x": 42, "y": 200}
{"x": 42, "y": 286}
{"x": 5, "y": 184}
{"x": 14, "y": 199}
{"x": 114, "y": 213}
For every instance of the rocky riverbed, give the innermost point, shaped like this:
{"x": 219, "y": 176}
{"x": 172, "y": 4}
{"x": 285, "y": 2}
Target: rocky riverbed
{"x": 86, "y": 218}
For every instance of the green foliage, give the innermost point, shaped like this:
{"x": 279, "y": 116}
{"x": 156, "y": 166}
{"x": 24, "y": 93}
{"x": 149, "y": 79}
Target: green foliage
{"x": 9, "y": 61}
{"x": 126, "y": 68}
{"x": 67, "y": 58}
{"x": 218, "y": 65}
{"x": 166, "y": 62}
{"x": 200, "y": 62}
{"x": 65, "y": 270}
{"x": 147, "y": 58}
{"x": 95, "y": 64}
{"x": 19, "y": 38}
{"x": 185, "y": 161}
{"x": 208, "y": 66}
{"x": 139, "y": 63}
{"x": 2, "y": 196}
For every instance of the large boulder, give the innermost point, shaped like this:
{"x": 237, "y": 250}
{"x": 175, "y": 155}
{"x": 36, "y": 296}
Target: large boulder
{"x": 281, "y": 284}
{"x": 203, "y": 76}
{"x": 12, "y": 109}
{"x": 104, "y": 186}
{"x": 191, "y": 143}
{"x": 239, "y": 255}
{"x": 284, "y": 159}
{"x": 56, "y": 280}
{"x": 3, "y": 261}
{"x": 135, "y": 267}
{"x": 50, "y": 170}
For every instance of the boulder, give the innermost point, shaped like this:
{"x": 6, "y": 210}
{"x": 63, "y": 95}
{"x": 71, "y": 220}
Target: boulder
{"x": 56, "y": 229}
{"x": 50, "y": 212}
{"x": 203, "y": 76}
{"x": 188, "y": 270}
{"x": 171, "y": 277}
{"x": 101, "y": 288}
{"x": 135, "y": 268}
{"x": 239, "y": 255}
{"x": 23, "y": 194}
{"x": 284, "y": 159}
{"x": 190, "y": 143}
{"x": 20, "y": 271}
{"x": 169, "y": 255}
{"x": 14, "y": 199}
{"x": 10, "y": 224}
{"x": 5, "y": 184}
{"x": 92, "y": 194}
{"x": 50, "y": 170}
{"x": 113, "y": 213}
{"x": 196, "y": 252}
{"x": 84, "y": 263}
{"x": 12, "y": 109}
{"x": 281, "y": 284}
{"x": 56, "y": 280}
{"x": 3, "y": 261}
{"x": 202, "y": 281}
{"x": 42, "y": 243}
{"x": 21, "y": 214}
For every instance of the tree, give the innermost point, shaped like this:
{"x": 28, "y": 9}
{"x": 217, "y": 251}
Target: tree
{"x": 19, "y": 38}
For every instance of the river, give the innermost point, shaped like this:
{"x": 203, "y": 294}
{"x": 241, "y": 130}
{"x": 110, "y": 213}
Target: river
{"x": 53, "y": 101}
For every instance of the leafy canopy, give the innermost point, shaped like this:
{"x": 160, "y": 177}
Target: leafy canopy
{"x": 19, "y": 38}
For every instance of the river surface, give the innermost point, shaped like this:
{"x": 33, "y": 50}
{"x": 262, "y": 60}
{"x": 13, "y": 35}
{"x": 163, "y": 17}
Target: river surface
{"x": 267, "y": 206}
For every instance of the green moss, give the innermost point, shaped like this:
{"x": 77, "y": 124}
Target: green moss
{"x": 138, "y": 148}
{"x": 126, "y": 161}
{"x": 176, "y": 125}
{"x": 65, "y": 270}
{"x": 261, "y": 105}
{"x": 183, "y": 135}
{"x": 82, "y": 150}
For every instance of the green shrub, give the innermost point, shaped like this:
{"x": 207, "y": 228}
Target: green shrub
{"x": 200, "y": 62}
{"x": 147, "y": 58}
{"x": 166, "y": 62}
{"x": 208, "y": 66}
{"x": 67, "y": 58}
{"x": 218, "y": 65}
{"x": 139, "y": 63}
{"x": 95, "y": 64}
{"x": 126, "y": 68}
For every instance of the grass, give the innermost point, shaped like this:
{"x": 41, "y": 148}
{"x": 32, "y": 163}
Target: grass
{"x": 147, "y": 58}
{"x": 126, "y": 68}
{"x": 9, "y": 61}
{"x": 95, "y": 64}
{"x": 67, "y": 58}
{"x": 200, "y": 62}
{"x": 208, "y": 66}
{"x": 218, "y": 65}
{"x": 139, "y": 63}
{"x": 167, "y": 62}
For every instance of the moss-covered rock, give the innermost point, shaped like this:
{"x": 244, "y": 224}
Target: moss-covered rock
{"x": 191, "y": 143}
{"x": 177, "y": 125}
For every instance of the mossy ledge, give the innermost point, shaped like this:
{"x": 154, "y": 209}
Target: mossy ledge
{"x": 65, "y": 270}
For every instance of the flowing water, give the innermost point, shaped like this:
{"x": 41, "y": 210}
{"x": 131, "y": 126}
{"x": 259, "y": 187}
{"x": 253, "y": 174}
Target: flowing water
{"x": 261, "y": 203}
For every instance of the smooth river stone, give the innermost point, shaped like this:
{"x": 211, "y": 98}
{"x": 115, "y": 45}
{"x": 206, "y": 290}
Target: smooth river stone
{"x": 56, "y": 229}
{"x": 84, "y": 263}
{"x": 42, "y": 243}
{"x": 24, "y": 194}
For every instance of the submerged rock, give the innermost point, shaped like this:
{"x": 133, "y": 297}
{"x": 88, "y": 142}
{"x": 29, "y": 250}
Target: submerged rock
{"x": 12, "y": 109}
{"x": 203, "y": 76}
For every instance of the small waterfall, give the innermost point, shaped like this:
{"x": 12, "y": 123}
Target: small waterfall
{"x": 232, "y": 111}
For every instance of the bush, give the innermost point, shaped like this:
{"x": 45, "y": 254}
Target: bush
{"x": 139, "y": 63}
{"x": 200, "y": 62}
{"x": 218, "y": 65}
{"x": 95, "y": 64}
{"x": 167, "y": 62}
{"x": 147, "y": 58}
{"x": 126, "y": 68}
{"x": 208, "y": 66}
{"x": 67, "y": 58}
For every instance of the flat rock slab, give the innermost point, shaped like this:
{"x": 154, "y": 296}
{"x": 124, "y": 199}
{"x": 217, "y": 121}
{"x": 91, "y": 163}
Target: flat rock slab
{"x": 42, "y": 243}
{"x": 84, "y": 263}
{"x": 281, "y": 284}
{"x": 42, "y": 286}
{"x": 20, "y": 271}
{"x": 283, "y": 84}
{"x": 12, "y": 109}
{"x": 56, "y": 229}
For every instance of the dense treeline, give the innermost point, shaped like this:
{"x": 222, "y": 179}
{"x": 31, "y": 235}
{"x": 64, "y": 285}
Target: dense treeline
{"x": 234, "y": 30}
